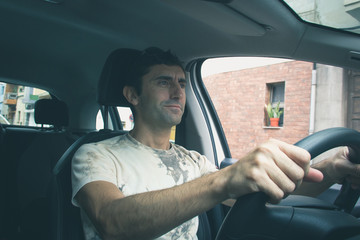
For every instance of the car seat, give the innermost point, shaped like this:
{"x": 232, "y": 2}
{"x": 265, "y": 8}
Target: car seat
{"x": 66, "y": 217}
{"x": 68, "y": 222}
{"x": 34, "y": 174}
{"x": 28, "y": 156}
{"x": 51, "y": 112}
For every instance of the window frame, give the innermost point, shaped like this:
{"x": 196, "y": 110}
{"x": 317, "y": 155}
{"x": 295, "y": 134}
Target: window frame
{"x": 270, "y": 94}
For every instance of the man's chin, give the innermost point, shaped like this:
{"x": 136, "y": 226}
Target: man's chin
{"x": 174, "y": 121}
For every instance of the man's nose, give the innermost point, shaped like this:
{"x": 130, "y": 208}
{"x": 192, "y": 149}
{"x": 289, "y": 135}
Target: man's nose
{"x": 177, "y": 91}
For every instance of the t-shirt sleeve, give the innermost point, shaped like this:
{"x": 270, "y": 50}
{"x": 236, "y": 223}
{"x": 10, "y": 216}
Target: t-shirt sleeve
{"x": 91, "y": 163}
{"x": 204, "y": 164}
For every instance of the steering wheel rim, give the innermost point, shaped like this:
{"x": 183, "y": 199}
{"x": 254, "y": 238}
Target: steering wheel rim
{"x": 255, "y": 204}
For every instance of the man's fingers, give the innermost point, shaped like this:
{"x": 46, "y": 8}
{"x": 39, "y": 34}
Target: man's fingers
{"x": 288, "y": 166}
{"x": 271, "y": 189}
{"x": 297, "y": 154}
{"x": 292, "y": 160}
{"x": 281, "y": 179}
{"x": 302, "y": 158}
{"x": 313, "y": 175}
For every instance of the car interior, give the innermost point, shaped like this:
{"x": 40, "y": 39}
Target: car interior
{"x": 73, "y": 50}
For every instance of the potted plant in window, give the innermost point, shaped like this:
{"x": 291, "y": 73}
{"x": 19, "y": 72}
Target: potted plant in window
{"x": 274, "y": 114}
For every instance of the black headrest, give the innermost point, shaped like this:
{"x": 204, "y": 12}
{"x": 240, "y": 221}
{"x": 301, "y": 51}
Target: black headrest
{"x": 115, "y": 70}
{"x": 52, "y": 112}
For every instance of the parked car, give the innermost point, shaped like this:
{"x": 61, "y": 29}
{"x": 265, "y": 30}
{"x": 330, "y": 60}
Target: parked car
{"x": 312, "y": 49}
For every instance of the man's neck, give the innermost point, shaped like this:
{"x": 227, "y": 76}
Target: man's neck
{"x": 152, "y": 138}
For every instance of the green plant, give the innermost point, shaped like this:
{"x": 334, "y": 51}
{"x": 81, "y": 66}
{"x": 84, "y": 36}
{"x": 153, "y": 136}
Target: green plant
{"x": 274, "y": 112}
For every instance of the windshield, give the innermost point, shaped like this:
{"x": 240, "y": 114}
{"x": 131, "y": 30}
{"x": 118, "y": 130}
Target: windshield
{"x": 339, "y": 14}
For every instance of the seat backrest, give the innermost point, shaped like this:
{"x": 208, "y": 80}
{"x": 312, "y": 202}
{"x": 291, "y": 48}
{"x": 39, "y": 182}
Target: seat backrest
{"x": 67, "y": 223}
{"x": 28, "y": 158}
{"x": 115, "y": 70}
{"x": 66, "y": 217}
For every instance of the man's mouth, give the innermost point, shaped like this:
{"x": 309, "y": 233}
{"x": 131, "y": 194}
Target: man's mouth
{"x": 174, "y": 106}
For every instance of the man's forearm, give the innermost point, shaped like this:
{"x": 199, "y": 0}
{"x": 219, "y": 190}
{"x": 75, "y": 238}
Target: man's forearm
{"x": 151, "y": 214}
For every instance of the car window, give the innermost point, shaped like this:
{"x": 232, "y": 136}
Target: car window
{"x": 307, "y": 98}
{"x": 342, "y": 15}
{"x": 125, "y": 115}
{"x": 17, "y": 103}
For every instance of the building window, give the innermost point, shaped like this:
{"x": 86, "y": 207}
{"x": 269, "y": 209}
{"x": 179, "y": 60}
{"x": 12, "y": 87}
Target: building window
{"x": 276, "y": 93}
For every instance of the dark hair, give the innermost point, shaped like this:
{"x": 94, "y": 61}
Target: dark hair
{"x": 141, "y": 66}
{"x": 148, "y": 58}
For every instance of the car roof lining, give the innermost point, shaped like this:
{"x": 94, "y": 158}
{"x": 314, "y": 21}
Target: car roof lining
{"x": 75, "y": 19}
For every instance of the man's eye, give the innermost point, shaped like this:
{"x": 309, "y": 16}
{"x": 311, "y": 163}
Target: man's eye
{"x": 163, "y": 83}
{"x": 182, "y": 84}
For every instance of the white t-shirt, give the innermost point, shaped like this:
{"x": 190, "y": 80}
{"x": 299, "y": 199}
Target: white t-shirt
{"x": 136, "y": 168}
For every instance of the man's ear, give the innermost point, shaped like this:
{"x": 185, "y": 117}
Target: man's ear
{"x": 131, "y": 95}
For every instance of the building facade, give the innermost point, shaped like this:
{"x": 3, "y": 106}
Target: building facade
{"x": 314, "y": 97}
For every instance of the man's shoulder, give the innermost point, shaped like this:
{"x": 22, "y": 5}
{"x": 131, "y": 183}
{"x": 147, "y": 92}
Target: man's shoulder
{"x": 191, "y": 153}
{"x": 113, "y": 140}
{"x": 106, "y": 143}
{"x": 199, "y": 159}
{"x": 180, "y": 148}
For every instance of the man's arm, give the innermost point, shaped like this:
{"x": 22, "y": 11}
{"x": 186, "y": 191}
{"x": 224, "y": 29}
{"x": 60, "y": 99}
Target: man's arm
{"x": 274, "y": 168}
{"x": 147, "y": 215}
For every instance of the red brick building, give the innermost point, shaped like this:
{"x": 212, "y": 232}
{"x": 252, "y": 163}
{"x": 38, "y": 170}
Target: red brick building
{"x": 240, "y": 101}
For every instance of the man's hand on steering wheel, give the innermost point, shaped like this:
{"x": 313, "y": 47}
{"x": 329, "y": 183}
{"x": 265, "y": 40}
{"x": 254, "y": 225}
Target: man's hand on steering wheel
{"x": 339, "y": 168}
{"x": 275, "y": 168}
{"x": 303, "y": 217}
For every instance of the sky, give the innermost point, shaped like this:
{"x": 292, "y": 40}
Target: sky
{"x": 219, "y": 65}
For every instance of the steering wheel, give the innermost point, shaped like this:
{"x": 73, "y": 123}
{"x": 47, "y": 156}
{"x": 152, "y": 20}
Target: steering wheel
{"x": 252, "y": 218}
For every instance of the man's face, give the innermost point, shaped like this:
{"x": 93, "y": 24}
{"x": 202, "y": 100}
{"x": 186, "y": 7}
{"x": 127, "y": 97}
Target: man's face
{"x": 162, "y": 99}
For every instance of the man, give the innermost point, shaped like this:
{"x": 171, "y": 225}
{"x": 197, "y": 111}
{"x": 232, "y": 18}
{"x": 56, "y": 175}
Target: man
{"x": 140, "y": 186}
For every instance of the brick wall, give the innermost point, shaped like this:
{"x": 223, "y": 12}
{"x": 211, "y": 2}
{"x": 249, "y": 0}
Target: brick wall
{"x": 239, "y": 99}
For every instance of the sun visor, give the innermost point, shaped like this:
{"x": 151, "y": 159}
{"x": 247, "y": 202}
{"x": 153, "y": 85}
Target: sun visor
{"x": 219, "y": 16}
